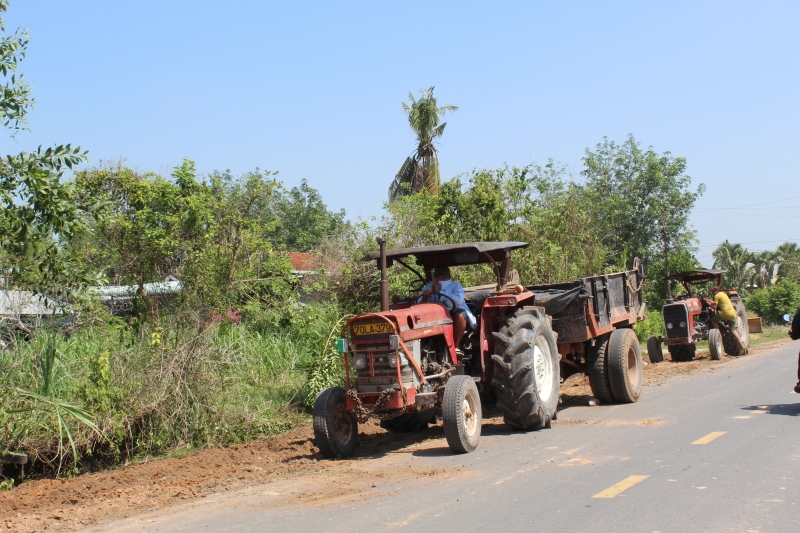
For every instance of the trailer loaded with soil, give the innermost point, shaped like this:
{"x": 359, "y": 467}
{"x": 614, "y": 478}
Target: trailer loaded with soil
{"x": 402, "y": 365}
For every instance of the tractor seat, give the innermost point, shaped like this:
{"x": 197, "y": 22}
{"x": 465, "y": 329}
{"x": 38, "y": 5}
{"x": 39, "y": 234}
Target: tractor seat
{"x": 475, "y": 299}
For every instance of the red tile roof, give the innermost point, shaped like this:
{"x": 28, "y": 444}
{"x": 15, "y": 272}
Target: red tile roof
{"x": 302, "y": 260}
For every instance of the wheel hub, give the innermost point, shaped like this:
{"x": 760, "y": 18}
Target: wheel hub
{"x": 543, "y": 369}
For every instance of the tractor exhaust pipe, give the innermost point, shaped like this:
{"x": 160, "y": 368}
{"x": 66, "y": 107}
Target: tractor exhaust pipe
{"x": 384, "y": 279}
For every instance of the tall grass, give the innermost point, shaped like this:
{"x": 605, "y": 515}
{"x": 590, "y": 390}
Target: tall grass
{"x": 114, "y": 392}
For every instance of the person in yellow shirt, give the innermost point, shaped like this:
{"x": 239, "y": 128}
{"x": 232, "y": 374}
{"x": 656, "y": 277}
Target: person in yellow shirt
{"x": 726, "y": 313}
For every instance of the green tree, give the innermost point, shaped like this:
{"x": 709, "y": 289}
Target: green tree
{"x": 734, "y": 258}
{"x": 39, "y": 214}
{"x": 789, "y": 257}
{"x": 149, "y": 226}
{"x": 765, "y": 265}
{"x": 421, "y": 169}
{"x": 641, "y": 200}
{"x": 303, "y": 220}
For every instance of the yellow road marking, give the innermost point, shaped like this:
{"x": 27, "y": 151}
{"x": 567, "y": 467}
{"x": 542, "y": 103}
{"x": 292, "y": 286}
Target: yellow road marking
{"x": 708, "y": 438}
{"x": 758, "y": 412}
{"x": 742, "y": 417}
{"x": 625, "y": 484}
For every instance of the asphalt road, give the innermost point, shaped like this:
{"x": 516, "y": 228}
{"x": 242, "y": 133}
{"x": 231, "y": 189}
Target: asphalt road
{"x": 705, "y": 452}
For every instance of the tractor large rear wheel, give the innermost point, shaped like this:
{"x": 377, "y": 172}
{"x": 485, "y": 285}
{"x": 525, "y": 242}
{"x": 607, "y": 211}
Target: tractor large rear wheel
{"x": 335, "y": 427}
{"x": 526, "y": 369}
{"x": 743, "y": 327}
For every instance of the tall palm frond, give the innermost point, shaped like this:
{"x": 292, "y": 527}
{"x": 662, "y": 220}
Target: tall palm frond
{"x": 765, "y": 265}
{"x": 421, "y": 169}
{"x": 735, "y": 259}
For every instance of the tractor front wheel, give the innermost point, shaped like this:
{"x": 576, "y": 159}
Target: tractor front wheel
{"x": 335, "y": 427}
{"x": 526, "y": 371}
{"x": 461, "y": 414}
{"x": 715, "y": 348}
{"x": 654, "y": 350}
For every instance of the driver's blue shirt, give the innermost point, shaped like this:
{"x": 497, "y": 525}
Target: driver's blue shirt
{"x": 454, "y": 290}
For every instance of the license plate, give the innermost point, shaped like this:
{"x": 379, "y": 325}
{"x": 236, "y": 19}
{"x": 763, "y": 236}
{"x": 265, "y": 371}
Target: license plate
{"x": 372, "y": 329}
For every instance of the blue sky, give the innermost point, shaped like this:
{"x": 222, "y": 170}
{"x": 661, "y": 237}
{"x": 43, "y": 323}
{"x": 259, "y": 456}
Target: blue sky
{"x": 313, "y": 90}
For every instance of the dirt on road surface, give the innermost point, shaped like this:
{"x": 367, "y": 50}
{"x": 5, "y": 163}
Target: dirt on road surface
{"x": 90, "y": 499}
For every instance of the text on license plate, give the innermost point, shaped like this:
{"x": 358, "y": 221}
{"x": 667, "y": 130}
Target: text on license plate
{"x": 372, "y": 329}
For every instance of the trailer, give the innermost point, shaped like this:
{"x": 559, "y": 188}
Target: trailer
{"x": 594, "y": 319}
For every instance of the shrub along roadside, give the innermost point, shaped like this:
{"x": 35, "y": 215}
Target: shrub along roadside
{"x": 773, "y": 302}
{"x": 111, "y": 393}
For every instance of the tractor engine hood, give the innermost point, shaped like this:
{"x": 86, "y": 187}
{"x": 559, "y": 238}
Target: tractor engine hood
{"x": 415, "y": 322}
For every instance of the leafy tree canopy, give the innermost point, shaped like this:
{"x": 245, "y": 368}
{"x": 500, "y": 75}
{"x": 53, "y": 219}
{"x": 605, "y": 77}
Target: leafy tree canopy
{"x": 39, "y": 213}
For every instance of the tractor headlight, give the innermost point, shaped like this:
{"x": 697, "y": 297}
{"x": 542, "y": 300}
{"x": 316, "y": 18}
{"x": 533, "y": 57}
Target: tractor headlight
{"x": 393, "y": 360}
{"x": 669, "y": 325}
{"x": 360, "y": 361}
{"x": 682, "y": 324}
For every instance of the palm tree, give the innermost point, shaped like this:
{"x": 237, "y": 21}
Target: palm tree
{"x": 764, "y": 266}
{"x": 734, "y": 258}
{"x": 788, "y": 255}
{"x": 421, "y": 169}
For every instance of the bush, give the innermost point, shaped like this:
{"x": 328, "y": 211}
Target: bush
{"x": 112, "y": 392}
{"x": 653, "y": 324}
{"x": 773, "y": 302}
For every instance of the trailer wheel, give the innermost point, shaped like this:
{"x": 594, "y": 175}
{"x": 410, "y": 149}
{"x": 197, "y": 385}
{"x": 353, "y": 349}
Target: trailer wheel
{"x": 335, "y": 427}
{"x": 526, "y": 370}
{"x": 597, "y": 369}
{"x": 410, "y": 422}
{"x": 654, "y": 351}
{"x": 461, "y": 412}
{"x": 715, "y": 344}
{"x": 626, "y": 371}
{"x": 682, "y": 353}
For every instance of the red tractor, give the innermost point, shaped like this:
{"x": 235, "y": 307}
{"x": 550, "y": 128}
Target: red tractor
{"x": 402, "y": 365}
{"x": 687, "y": 320}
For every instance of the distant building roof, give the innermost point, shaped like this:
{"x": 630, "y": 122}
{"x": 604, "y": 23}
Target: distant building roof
{"x": 303, "y": 261}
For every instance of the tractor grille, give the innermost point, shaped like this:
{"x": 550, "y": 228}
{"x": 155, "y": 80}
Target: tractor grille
{"x": 381, "y": 367}
{"x": 675, "y": 314}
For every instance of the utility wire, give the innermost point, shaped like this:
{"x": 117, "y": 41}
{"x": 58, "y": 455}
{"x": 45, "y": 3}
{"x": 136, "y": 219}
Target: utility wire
{"x": 748, "y": 205}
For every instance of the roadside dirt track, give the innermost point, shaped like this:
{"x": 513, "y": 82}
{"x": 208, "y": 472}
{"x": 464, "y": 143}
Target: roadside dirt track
{"x": 291, "y": 460}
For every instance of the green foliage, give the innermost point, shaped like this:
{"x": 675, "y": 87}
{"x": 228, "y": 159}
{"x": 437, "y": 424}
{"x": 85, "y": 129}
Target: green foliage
{"x": 38, "y": 211}
{"x": 303, "y": 220}
{"x": 533, "y": 204}
{"x": 640, "y": 199}
{"x": 773, "y": 302}
{"x": 421, "y": 170}
{"x": 655, "y": 288}
{"x": 652, "y": 325}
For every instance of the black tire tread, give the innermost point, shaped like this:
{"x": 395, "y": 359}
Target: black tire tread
{"x": 597, "y": 369}
{"x": 715, "y": 348}
{"x": 654, "y": 352}
{"x": 621, "y": 387}
{"x": 323, "y": 434}
{"x": 454, "y": 392}
{"x": 514, "y": 379}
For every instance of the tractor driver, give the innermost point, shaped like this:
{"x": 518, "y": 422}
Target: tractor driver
{"x": 450, "y": 294}
{"x": 726, "y": 313}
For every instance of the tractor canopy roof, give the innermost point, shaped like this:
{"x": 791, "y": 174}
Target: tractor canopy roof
{"x": 693, "y": 276}
{"x": 468, "y": 253}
